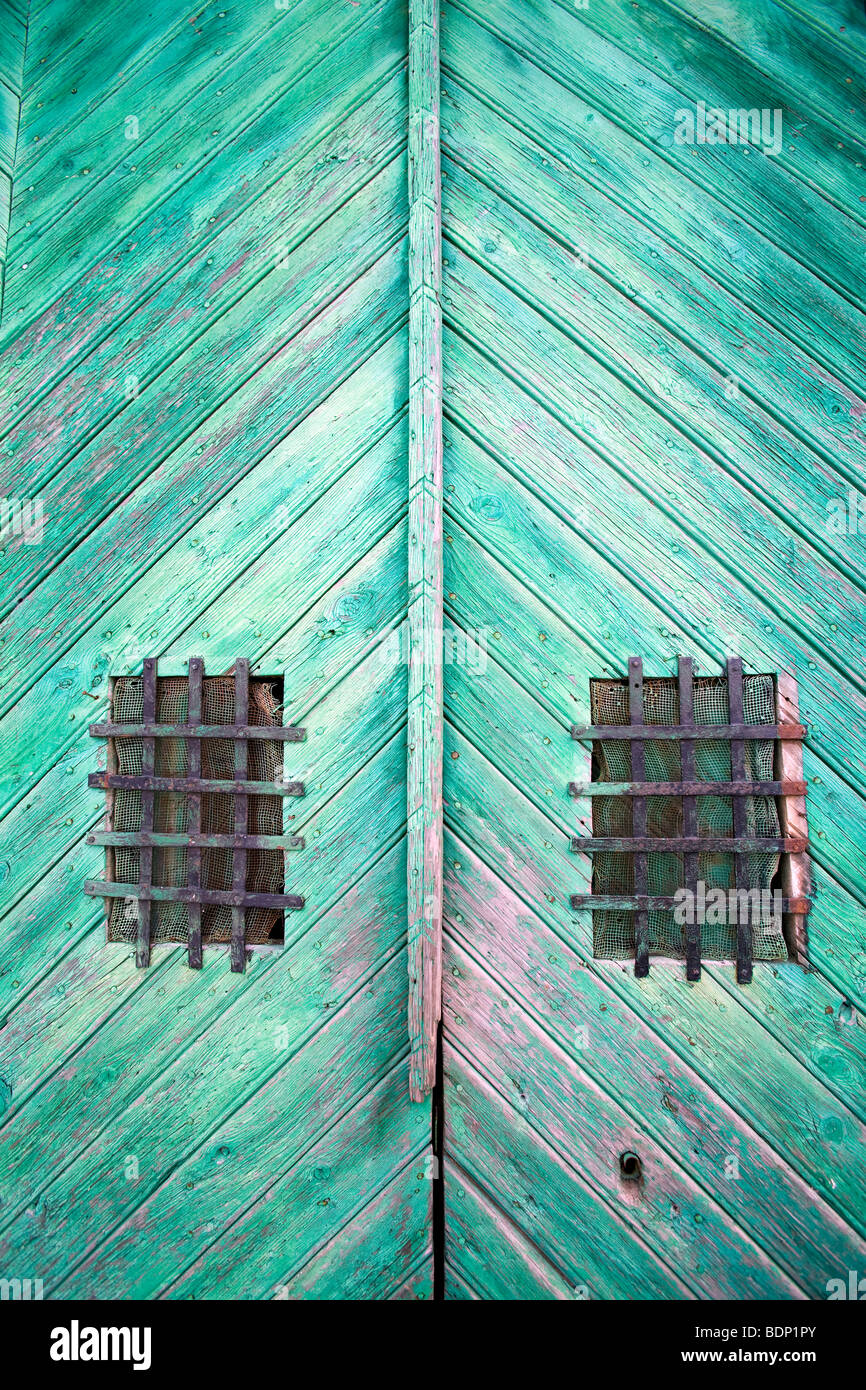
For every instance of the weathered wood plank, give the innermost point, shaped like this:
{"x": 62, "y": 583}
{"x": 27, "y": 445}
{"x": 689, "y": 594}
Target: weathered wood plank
{"x": 782, "y": 209}
{"x": 262, "y": 1128}
{"x": 358, "y": 437}
{"x": 488, "y": 1251}
{"x": 672, "y": 606}
{"x": 336, "y": 1179}
{"x": 637, "y": 180}
{"x": 335, "y": 853}
{"x": 554, "y": 978}
{"x": 160, "y": 452}
{"x": 506, "y": 1156}
{"x": 584, "y": 1124}
{"x": 172, "y": 255}
{"x": 239, "y": 87}
{"x": 661, "y": 462}
{"x": 372, "y": 1255}
{"x": 691, "y": 1025}
{"x": 344, "y": 947}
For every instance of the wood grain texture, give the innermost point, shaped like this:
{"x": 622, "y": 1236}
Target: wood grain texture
{"x": 424, "y": 770}
{"x": 13, "y": 48}
{"x": 205, "y": 367}
{"x": 650, "y": 404}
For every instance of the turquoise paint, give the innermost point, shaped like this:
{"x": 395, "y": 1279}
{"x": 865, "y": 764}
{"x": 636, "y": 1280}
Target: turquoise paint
{"x": 651, "y": 367}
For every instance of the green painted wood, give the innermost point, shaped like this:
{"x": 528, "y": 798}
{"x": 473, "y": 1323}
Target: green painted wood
{"x": 205, "y": 364}
{"x": 230, "y": 372}
{"x": 13, "y": 44}
{"x": 489, "y": 1250}
{"x": 652, "y": 402}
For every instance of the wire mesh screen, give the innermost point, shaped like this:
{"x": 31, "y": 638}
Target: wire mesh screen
{"x": 265, "y": 867}
{"x": 612, "y": 816}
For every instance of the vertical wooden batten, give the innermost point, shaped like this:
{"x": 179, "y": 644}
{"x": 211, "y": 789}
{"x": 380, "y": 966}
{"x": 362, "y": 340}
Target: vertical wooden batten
{"x": 424, "y": 758}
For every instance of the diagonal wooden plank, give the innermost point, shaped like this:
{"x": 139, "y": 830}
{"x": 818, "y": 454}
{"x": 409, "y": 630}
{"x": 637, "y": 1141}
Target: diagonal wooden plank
{"x": 117, "y": 203}
{"x": 135, "y": 349}
{"x": 373, "y": 757}
{"x": 621, "y": 528}
{"x": 363, "y": 418}
{"x": 357, "y": 322}
{"x": 199, "y": 1025}
{"x": 603, "y": 238}
{"x": 102, "y": 302}
{"x": 525, "y": 352}
{"x": 359, "y": 1261}
{"x": 783, "y": 210}
{"x": 589, "y": 142}
{"x": 331, "y": 268}
{"x": 339, "y": 1178}
{"x": 785, "y": 1215}
{"x": 297, "y": 1089}
{"x": 487, "y": 1250}
{"x": 755, "y": 451}
{"x": 717, "y": 1259}
{"x": 545, "y": 1194}
{"x": 13, "y": 46}
{"x": 683, "y": 1022}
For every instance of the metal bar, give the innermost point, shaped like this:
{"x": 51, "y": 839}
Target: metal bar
{"x": 193, "y": 876}
{"x": 632, "y": 902}
{"x": 286, "y": 733}
{"x": 239, "y": 857}
{"x": 148, "y": 760}
{"x": 700, "y": 844}
{"x": 101, "y": 888}
{"x": 115, "y": 781}
{"x": 687, "y": 788}
{"x": 686, "y": 683}
{"x": 738, "y": 774}
{"x": 616, "y": 733}
{"x": 639, "y": 814}
{"x": 164, "y": 839}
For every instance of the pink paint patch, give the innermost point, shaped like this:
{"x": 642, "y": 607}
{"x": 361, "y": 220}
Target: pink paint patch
{"x": 227, "y": 274}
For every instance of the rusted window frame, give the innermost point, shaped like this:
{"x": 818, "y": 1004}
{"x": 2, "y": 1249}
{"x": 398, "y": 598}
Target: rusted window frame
{"x": 789, "y": 791}
{"x": 144, "y": 892}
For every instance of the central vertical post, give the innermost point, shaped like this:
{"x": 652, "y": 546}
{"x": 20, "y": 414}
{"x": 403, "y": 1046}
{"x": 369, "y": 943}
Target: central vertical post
{"x": 425, "y": 548}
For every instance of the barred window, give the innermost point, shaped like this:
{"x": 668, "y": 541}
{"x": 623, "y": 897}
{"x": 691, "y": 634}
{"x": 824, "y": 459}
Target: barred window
{"x": 195, "y": 838}
{"x": 698, "y": 827}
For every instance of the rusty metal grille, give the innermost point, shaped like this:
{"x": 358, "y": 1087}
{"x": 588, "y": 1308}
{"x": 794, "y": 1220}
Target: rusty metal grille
{"x": 709, "y": 821}
{"x": 195, "y": 842}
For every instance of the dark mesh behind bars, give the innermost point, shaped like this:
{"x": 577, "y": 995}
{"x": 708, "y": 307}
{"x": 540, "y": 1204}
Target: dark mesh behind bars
{"x": 265, "y": 872}
{"x": 613, "y": 932}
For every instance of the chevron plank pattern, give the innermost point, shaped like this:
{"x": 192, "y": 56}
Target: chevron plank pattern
{"x": 651, "y": 355}
{"x": 204, "y": 344}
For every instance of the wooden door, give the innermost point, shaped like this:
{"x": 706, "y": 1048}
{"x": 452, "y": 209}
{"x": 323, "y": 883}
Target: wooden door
{"x": 649, "y": 353}
{"x": 224, "y": 399}
{"x": 206, "y": 381}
